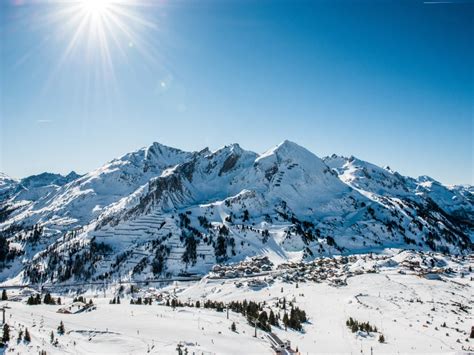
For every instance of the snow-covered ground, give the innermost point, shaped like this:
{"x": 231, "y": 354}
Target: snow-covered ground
{"x": 415, "y": 314}
{"x": 127, "y": 329}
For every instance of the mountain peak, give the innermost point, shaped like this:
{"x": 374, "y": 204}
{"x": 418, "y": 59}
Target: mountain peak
{"x": 6, "y": 183}
{"x": 287, "y": 144}
{"x": 160, "y": 149}
{"x": 72, "y": 175}
{"x": 4, "y": 176}
{"x": 235, "y": 146}
{"x": 46, "y": 178}
{"x": 156, "y": 155}
{"x": 231, "y": 148}
{"x": 425, "y": 178}
{"x": 289, "y": 150}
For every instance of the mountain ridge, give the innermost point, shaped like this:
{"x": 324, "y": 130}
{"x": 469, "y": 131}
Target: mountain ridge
{"x": 185, "y": 211}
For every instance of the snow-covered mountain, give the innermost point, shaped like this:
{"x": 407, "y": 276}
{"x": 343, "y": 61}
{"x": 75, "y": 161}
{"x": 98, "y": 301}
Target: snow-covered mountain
{"x": 46, "y": 179}
{"x": 7, "y": 185}
{"x": 160, "y": 211}
{"x": 77, "y": 201}
{"x": 456, "y": 200}
{"x": 35, "y": 187}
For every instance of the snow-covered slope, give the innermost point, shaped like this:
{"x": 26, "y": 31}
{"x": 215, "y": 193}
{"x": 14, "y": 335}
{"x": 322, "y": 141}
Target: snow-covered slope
{"x": 369, "y": 177}
{"x": 7, "y": 185}
{"x": 455, "y": 199}
{"x": 35, "y": 187}
{"x": 46, "y": 179}
{"x": 81, "y": 199}
{"x": 458, "y": 201}
{"x": 160, "y": 211}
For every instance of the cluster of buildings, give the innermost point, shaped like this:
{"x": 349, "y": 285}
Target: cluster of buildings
{"x": 253, "y": 267}
{"x": 332, "y": 270}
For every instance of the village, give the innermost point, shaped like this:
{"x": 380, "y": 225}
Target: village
{"x": 336, "y": 270}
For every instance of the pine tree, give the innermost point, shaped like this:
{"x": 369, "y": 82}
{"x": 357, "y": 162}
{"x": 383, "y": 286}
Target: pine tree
{"x": 118, "y": 299}
{"x": 220, "y": 247}
{"x": 52, "y": 337}
{"x": 20, "y": 336}
{"x": 27, "y": 336}
{"x": 381, "y": 338}
{"x": 34, "y": 300}
{"x": 48, "y": 299}
{"x": 262, "y": 321}
{"x": 4, "y": 295}
{"x": 272, "y": 319}
{"x": 233, "y": 327}
{"x": 295, "y": 321}
{"x": 354, "y": 327}
{"x": 6, "y": 333}
{"x": 61, "y": 329}
{"x": 286, "y": 320}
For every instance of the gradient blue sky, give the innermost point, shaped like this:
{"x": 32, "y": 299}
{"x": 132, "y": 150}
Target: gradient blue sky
{"x": 391, "y": 82}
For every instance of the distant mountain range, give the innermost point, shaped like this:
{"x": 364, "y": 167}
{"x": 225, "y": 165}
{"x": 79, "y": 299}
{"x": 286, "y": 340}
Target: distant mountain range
{"x": 160, "y": 211}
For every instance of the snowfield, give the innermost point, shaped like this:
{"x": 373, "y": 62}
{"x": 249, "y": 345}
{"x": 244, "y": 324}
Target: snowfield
{"x": 132, "y": 329}
{"x": 419, "y": 315}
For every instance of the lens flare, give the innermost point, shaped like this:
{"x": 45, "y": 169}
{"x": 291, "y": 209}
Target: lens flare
{"x": 97, "y": 33}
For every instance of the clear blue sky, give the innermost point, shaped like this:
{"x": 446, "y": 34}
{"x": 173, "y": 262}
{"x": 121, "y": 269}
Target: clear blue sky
{"x": 391, "y": 82}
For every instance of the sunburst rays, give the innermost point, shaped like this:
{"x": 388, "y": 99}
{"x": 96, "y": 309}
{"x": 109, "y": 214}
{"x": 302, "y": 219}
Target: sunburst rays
{"x": 95, "y": 35}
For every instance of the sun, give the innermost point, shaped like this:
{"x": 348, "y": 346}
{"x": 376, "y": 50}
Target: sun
{"x": 98, "y": 34}
{"x": 96, "y": 7}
